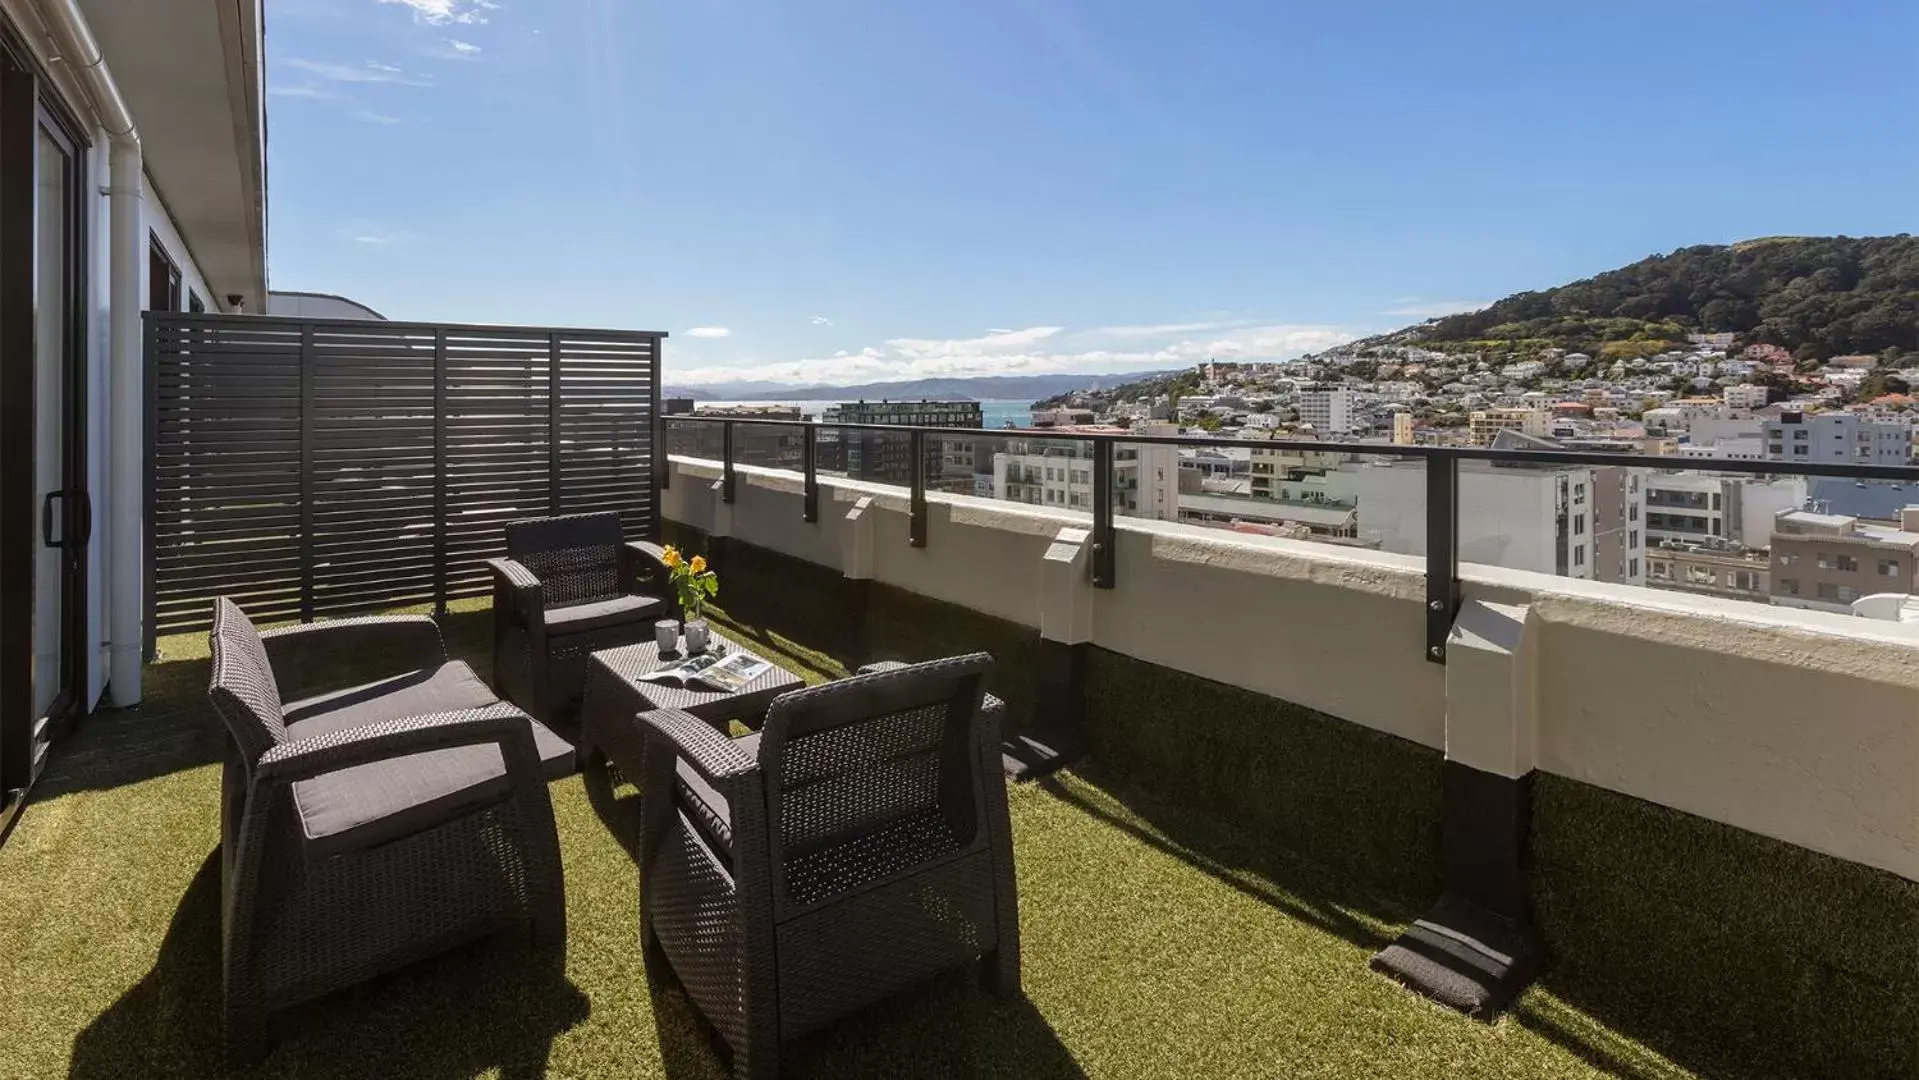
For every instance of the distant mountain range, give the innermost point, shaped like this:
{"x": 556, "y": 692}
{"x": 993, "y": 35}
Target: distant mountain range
{"x": 983, "y": 388}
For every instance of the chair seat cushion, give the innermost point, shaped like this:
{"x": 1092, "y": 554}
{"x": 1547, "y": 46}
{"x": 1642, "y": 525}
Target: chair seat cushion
{"x": 705, "y": 807}
{"x": 601, "y": 614}
{"x": 354, "y": 808}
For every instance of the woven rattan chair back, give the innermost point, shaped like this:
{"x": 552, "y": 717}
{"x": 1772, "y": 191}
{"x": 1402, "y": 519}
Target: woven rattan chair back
{"x": 869, "y": 777}
{"x": 575, "y": 556}
{"x": 243, "y": 688}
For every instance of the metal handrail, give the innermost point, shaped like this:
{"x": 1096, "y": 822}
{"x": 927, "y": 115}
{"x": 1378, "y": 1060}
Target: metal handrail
{"x": 1442, "y": 483}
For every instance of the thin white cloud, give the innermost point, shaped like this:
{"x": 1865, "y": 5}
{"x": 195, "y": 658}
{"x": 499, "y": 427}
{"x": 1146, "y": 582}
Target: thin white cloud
{"x": 374, "y": 239}
{"x": 463, "y": 48}
{"x": 1165, "y": 330}
{"x": 448, "y": 12}
{"x": 821, "y": 320}
{"x": 1026, "y": 352}
{"x": 709, "y": 332}
{"x": 370, "y": 72}
{"x": 314, "y": 93}
{"x": 368, "y": 116}
{"x": 1413, "y": 307}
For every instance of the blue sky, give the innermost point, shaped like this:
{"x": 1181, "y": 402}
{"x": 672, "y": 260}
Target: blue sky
{"x": 842, "y": 191}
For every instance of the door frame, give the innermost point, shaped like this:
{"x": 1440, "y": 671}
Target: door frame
{"x": 30, "y": 102}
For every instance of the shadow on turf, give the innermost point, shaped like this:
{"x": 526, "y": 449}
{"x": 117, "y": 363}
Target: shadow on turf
{"x": 1264, "y": 871}
{"x": 494, "y": 1005}
{"x": 947, "y": 1028}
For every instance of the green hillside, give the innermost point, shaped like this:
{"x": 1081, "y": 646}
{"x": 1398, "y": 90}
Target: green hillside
{"x": 1816, "y": 296}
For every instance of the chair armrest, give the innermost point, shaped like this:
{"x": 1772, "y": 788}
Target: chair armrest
{"x": 642, "y": 561}
{"x": 301, "y": 759}
{"x": 711, "y": 754}
{"x": 342, "y": 652}
{"x": 882, "y": 667}
{"x": 514, "y": 582}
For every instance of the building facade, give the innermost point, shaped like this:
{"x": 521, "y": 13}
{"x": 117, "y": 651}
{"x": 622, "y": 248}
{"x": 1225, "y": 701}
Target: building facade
{"x": 884, "y": 457}
{"x": 1735, "y": 575}
{"x": 753, "y": 444}
{"x": 1572, "y": 522}
{"x": 133, "y": 177}
{"x": 1485, "y": 425}
{"x": 1692, "y": 508}
{"x": 1059, "y": 473}
{"x": 1837, "y": 438}
{"x": 1827, "y": 561}
{"x": 1332, "y": 412}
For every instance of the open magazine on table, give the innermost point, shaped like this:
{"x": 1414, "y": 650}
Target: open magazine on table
{"x": 709, "y": 671}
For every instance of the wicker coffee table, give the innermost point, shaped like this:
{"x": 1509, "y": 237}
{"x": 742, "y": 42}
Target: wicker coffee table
{"x": 612, "y": 746}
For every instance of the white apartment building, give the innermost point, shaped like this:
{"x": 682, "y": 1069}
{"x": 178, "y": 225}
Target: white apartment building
{"x": 1573, "y": 522}
{"x": 1331, "y": 412}
{"x": 1745, "y": 396}
{"x": 1689, "y": 508}
{"x": 133, "y": 176}
{"x": 1059, "y": 473}
{"x": 1838, "y": 438}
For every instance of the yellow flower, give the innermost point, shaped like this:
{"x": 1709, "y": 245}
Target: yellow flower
{"x": 671, "y": 556}
{"x": 699, "y": 564}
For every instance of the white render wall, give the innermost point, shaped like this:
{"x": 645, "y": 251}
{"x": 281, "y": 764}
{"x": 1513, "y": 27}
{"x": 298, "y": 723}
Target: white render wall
{"x": 1803, "y": 726}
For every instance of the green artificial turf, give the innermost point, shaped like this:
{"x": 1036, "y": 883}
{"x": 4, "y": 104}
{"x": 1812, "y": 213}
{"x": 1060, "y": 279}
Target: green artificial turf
{"x": 1157, "y": 943}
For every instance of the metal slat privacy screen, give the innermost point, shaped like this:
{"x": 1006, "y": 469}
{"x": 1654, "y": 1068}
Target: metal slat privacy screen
{"x": 321, "y": 467}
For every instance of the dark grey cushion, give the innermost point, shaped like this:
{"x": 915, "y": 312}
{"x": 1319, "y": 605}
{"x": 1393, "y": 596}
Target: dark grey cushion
{"x": 706, "y": 807}
{"x": 580, "y": 618}
{"x": 355, "y": 808}
{"x": 447, "y": 688}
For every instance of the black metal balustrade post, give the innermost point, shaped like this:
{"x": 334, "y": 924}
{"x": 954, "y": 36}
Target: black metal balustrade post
{"x": 1442, "y": 552}
{"x": 1104, "y": 536}
{"x": 726, "y": 461}
{"x": 916, "y": 525}
{"x": 810, "y": 464}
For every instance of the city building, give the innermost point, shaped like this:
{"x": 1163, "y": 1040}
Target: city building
{"x": 1403, "y": 428}
{"x": 1745, "y": 396}
{"x": 1331, "y": 412}
{"x": 1058, "y": 473}
{"x": 1688, "y": 507}
{"x": 1827, "y": 561}
{"x": 753, "y": 444}
{"x": 1734, "y": 573}
{"x": 1268, "y": 465}
{"x": 1837, "y": 438}
{"x": 1579, "y": 522}
{"x": 1046, "y": 418}
{"x": 882, "y": 456}
{"x": 1324, "y": 519}
{"x": 1485, "y": 425}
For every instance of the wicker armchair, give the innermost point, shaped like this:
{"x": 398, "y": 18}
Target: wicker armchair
{"x": 366, "y": 826}
{"x": 569, "y": 586}
{"x": 856, "y": 846}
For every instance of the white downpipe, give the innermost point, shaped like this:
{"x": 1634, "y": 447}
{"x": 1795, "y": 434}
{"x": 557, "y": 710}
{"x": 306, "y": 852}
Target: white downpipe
{"x": 126, "y": 370}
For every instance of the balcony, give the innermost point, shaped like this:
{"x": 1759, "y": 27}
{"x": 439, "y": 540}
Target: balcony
{"x": 1720, "y": 846}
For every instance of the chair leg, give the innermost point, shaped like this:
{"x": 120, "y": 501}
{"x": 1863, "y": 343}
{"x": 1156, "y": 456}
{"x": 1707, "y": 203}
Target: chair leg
{"x": 999, "y": 972}
{"x": 244, "y": 1034}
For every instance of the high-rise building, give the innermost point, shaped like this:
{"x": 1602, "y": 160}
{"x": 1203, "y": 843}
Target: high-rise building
{"x": 753, "y": 444}
{"x": 885, "y": 457}
{"x": 1690, "y": 508}
{"x": 1331, "y": 412}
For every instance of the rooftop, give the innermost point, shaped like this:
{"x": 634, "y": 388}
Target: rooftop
{"x": 1139, "y": 915}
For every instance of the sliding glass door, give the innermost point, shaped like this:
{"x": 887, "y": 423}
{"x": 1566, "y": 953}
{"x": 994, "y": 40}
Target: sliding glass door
{"x": 45, "y": 512}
